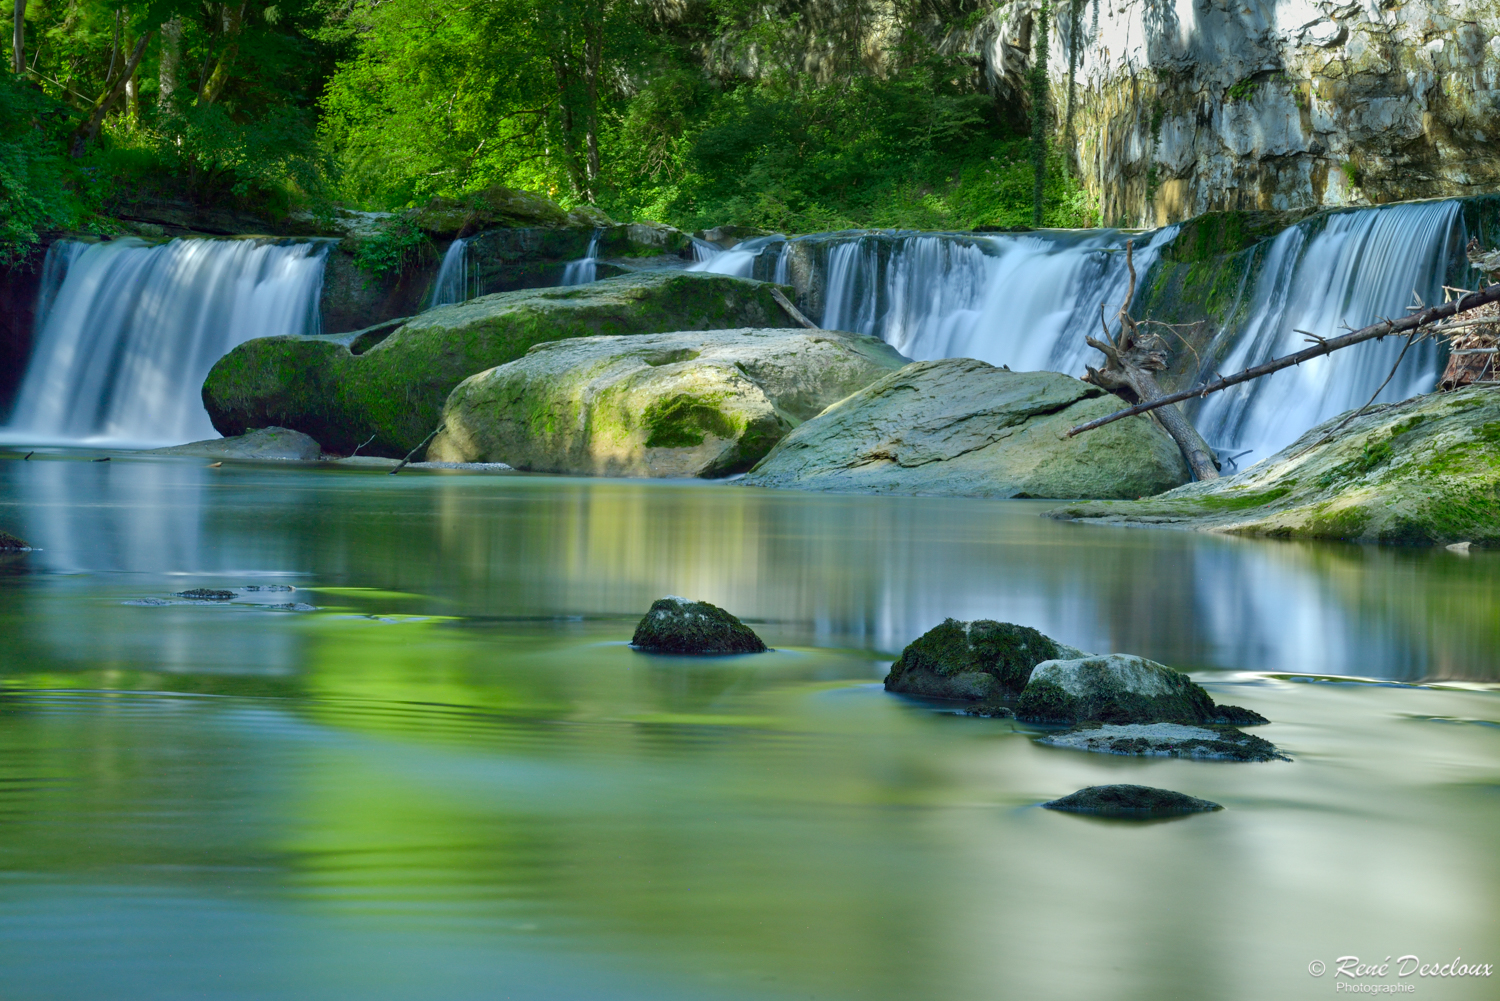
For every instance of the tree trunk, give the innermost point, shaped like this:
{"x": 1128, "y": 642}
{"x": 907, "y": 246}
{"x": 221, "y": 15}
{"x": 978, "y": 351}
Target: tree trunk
{"x": 18, "y": 40}
{"x": 234, "y": 19}
{"x": 1075, "y": 13}
{"x": 593, "y": 46}
{"x": 89, "y": 129}
{"x": 565, "y": 118}
{"x": 171, "y": 62}
{"x": 1039, "y": 115}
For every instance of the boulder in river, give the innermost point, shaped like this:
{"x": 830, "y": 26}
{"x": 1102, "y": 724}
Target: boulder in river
{"x": 1120, "y": 688}
{"x": 681, "y": 625}
{"x": 262, "y": 443}
{"x": 972, "y": 661}
{"x": 10, "y": 544}
{"x": 693, "y": 403}
{"x": 1130, "y": 802}
{"x": 1422, "y": 472}
{"x": 961, "y": 428}
{"x": 395, "y": 388}
{"x": 1167, "y": 740}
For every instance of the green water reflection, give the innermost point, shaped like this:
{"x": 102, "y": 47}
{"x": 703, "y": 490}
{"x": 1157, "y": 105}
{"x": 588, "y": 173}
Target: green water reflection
{"x": 454, "y": 779}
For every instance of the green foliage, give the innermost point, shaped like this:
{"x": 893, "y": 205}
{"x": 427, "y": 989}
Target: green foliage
{"x": 395, "y": 247}
{"x": 39, "y": 188}
{"x": 1242, "y": 90}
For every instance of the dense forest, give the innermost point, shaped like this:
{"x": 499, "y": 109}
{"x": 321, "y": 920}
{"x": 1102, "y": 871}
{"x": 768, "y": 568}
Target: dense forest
{"x": 793, "y": 117}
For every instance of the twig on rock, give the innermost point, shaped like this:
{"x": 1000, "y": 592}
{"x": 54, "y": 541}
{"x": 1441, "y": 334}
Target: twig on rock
{"x": 402, "y": 464}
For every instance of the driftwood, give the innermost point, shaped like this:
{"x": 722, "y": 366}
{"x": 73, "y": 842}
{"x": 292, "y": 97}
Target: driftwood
{"x": 1374, "y": 331}
{"x": 1131, "y": 359}
{"x": 792, "y": 310}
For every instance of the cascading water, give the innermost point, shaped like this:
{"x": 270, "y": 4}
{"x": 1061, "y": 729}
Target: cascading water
{"x": 452, "y": 284}
{"x": 1352, "y": 270}
{"x": 127, "y": 332}
{"x": 584, "y": 271}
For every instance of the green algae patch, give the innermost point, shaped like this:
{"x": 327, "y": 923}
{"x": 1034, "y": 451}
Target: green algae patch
{"x": 395, "y": 390}
{"x": 1419, "y": 473}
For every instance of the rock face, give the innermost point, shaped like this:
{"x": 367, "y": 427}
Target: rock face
{"x": 681, "y": 625}
{"x": 395, "y": 390}
{"x": 1119, "y": 688}
{"x": 1168, "y": 740}
{"x": 1129, "y": 802}
{"x": 262, "y": 443}
{"x": 962, "y": 428}
{"x": 972, "y": 661}
{"x": 1422, "y": 472}
{"x": 678, "y": 404}
{"x": 1270, "y": 104}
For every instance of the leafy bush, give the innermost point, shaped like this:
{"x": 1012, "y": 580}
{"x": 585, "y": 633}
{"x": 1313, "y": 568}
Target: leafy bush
{"x": 40, "y": 189}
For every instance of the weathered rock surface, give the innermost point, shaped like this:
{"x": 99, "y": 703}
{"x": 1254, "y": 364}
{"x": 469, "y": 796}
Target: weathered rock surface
{"x": 262, "y": 443}
{"x": 1130, "y": 802}
{"x": 959, "y": 427}
{"x": 681, "y": 625}
{"x": 1119, "y": 688}
{"x": 395, "y": 390}
{"x": 972, "y": 661}
{"x": 1168, "y": 740}
{"x": 1422, "y": 472}
{"x": 708, "y": 403}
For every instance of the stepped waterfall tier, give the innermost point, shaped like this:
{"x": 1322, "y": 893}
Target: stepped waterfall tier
{"x": 127, "y": 332}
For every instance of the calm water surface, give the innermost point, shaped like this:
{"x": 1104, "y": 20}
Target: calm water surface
{"x": 450, "y": 777}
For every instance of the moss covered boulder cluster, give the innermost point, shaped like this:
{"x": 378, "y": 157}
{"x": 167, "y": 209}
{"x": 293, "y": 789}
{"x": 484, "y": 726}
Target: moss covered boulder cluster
{"x": 1422, "y": 472}
{"x": 972, "y": 661}
{"x": 1120, "y": 688}
{"x": 395, "y": 389}
{"x": 706, "y": 403}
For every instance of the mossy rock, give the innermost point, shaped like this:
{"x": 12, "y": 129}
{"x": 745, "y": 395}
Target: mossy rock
{"x": 972, "y": 661}
{"x": 700, "y": 403}
{"x": 1167, "y": 740}
{"x": 262, "y": 443}
{"x": 1131, "y": 802}
{"x": 396, "y": 389}
{"x": 1423, "y": 472}
{"x": 958, "y": 427}
{"x": 683, "y": 626}
{"x": 1120, "y": 688}
{"x": 12, "y": 544}
{"x": 497, "y": 206}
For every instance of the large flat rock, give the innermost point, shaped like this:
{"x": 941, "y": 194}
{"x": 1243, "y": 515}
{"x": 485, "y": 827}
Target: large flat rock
{"x": 962, "y": 428}
{"x": 394, "y": 390}
{"x": 687, "y": 403}
{"x": 1423, "y": 472}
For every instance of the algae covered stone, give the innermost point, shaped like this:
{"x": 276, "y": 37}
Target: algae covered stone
{"x": 959, "y": 427}
{"x": 681, "y": 625}
{"x": 1422, "y": 472}
{"x": 1167, "y": 740}
{"x": 1131, "y": 802}
{"x": 693, "y": 403}
{"x": 262, "y": 443}
{"x": 1119, "y": 688}
{"x": 395, "y": 390}
{"x": 972, "y": 661}
{"x": 12, "y": 544}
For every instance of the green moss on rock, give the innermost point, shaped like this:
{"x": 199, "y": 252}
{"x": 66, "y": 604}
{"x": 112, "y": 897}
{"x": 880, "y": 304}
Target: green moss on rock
{"x": 970, "y": 661}
{"x": 682, "y": 626}
{"x": 1130, "y": 802}
{"x": 1120, "y": 689}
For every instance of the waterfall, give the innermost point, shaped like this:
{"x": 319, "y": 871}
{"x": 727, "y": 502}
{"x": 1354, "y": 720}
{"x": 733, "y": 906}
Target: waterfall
{"x": 738, "y": 261}
{"x": 1349, "y": 269}
{"x": 127, "y": 331}
{"x": 584, "y": 271}
{"x": 452, "y": 285}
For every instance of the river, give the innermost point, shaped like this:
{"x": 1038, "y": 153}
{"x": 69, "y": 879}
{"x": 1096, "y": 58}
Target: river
{"x": 443, "y": 773}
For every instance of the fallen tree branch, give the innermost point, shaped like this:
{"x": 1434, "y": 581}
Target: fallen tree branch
{"x": 1375, "y": 331}
{"x": 792, "y": 310}
{"x": 412, "y": 454}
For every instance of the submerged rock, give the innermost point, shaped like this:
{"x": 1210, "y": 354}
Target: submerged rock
{"x": 10, "y": 544}
{"x": 395, "y": 390}
{"x": 971, "y": 661}
{"x": 1168, "y": 740}
{"x": 1120, "y": 688}
{"x": 959, "y": 427}
{"x": 206, "y": 594}
{"x": 262, "y": 443}
{"x": 680, "y": 625}
{"x": 1130, "y": 802}
{"x": 699, "y": 403}
{"x": 1422, "y": 472}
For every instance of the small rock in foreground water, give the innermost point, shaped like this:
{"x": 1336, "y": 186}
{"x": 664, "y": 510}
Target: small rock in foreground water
{"x": 680, "y": 625}
{"x": 206, "y": 594}
{"x": 1131, "y": 802}
{"x": 9, "y": 543}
